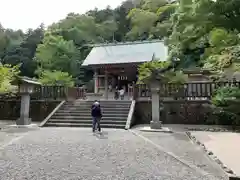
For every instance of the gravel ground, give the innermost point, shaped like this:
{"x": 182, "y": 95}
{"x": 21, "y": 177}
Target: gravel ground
{"x": 180, "y": 145}
{"x": 74, "y": 154}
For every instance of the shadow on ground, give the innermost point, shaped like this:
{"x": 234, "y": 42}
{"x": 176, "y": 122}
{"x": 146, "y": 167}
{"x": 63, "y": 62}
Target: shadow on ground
{"x": 101, "y": 135}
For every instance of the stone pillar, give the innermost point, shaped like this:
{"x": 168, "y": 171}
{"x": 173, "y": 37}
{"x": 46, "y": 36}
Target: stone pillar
{"x": 135, "y": 91}
{"x": 155, "y": 123}
{"x": 106, "y": 85}
{"x": 96, "y": 81}
{"x": 113, "y": 83}
{"x": 24, "y": 112}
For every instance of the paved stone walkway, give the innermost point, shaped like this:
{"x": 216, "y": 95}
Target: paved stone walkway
{"x": 181, "y": 146}
{"x": 224, "y": 145}
{"x": 74, "y": 154}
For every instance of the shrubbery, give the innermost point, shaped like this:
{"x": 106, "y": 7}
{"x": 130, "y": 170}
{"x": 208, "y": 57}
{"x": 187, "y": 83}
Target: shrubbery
{"x": 226, "y": 101}
{"x": 56, "y": 78}
{"x": 7, "y": 75}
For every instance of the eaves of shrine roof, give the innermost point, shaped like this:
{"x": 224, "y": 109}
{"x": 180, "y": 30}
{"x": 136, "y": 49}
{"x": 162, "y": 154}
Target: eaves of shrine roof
{"x": 128, "y": 52}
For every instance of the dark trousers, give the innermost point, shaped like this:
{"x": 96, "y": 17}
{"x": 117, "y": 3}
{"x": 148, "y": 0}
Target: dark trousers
{"x": 96, "y": 120}
{"x": 122, "y": 97}
{"x": 116, "y": 95}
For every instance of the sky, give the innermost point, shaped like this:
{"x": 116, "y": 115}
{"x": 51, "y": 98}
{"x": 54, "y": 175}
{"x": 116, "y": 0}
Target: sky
{"x": 24, "y": 14}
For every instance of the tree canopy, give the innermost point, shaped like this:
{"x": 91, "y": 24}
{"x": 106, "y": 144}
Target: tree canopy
{"x": 205, "y": 34}
{"x": 202, "y": 33}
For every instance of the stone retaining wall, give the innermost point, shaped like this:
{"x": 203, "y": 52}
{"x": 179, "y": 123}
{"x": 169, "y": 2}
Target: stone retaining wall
{"x": 10, "y": 109}
{"x": 177, "y": 112}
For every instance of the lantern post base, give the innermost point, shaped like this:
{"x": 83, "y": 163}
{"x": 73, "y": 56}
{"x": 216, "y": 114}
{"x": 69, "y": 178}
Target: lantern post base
{"x": 24, "y": 121}
{"x": 156, "y": 125}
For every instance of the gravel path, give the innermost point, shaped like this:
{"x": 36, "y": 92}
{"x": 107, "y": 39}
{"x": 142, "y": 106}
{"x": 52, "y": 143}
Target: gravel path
{"x": 74, "y": 154}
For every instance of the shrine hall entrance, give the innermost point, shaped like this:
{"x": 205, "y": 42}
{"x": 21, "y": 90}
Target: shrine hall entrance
{"x": 122, "y": 79}
{"x": 107, "y": 80}
{"x": 116, "y": 64}
{"x": 122, "y": 82}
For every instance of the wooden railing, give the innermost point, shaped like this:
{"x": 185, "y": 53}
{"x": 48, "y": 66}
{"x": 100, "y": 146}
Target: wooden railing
{"x": 189, "y": 90}
{"x": 76, "y": 93}
{"x": 58, "y": 92}
{"x": 9, "y": 96}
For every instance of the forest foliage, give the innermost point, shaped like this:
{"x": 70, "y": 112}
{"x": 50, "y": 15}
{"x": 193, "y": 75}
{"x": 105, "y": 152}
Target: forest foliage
{"x": 201, "y": 33}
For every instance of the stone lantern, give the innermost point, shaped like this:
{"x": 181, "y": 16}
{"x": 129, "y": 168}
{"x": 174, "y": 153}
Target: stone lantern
{"x": 26, "y": 88}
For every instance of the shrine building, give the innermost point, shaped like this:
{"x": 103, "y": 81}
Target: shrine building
{"x": 116, "y": 64}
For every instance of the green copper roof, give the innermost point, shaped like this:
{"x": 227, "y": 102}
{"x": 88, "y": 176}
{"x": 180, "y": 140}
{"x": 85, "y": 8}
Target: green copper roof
{"x": 129, "y": 52}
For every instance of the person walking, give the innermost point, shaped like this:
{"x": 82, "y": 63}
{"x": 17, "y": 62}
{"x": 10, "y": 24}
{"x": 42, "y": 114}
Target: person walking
{"x": 96, "y": 113}
{"x": 121, "y": 93}
{"x": 116, "y": 93}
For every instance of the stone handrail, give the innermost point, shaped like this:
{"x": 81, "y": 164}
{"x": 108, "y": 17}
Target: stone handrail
{"x": 51, "y": 114}
{"x": 130, "y": 115}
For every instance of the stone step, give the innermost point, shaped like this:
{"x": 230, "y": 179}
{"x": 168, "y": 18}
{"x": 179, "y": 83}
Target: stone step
{"x": 88, "y": 109}
{"x": 88, "y": 118}
{"x": 86, "y": 121}
{"x": 115, "y": 126}
{"x": 102, "y": 106}
{"x": 101, "y": 103}
{"x": 105, "y": 114}
{"x": 105, "y": 111}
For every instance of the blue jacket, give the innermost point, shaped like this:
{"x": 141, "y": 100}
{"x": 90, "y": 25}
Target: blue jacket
{"x": 96, "y": 111}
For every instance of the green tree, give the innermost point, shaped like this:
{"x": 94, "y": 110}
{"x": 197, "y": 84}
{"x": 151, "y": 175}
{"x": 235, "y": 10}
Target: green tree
{"x": 55, "y": 53}
{"x": 7, "y": 75}
{"x": 153, "y": 5}
{"x": 151, "y": 20}
{"x": 21, "y": 50}
{"x": 198, "y": 27}
{"x": 123, "y": 23}
{"x": 192, "y": 21}
{"x": 54, "y": 78}
{"x": 223, "y": 54}
{"x": 159, "y": 70}
{"x": 81, "y": 30}
{"x": 9, "y": 40}
{"x": 142, "y": 23}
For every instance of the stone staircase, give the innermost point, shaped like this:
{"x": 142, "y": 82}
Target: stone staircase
{"x": 78, "y": 114}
